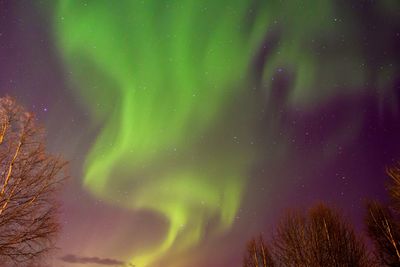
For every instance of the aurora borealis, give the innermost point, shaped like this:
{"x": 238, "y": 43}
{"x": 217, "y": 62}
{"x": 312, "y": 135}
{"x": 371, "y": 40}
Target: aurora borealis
{"x": 168, "y": 92}
{"x": 190, "y": 124}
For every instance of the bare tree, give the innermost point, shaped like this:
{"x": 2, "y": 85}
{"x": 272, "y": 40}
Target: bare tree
{"x": 291, "y": 240}
{"x": 322, "y": 238}
{"x": 384, "y": 230}
{"x": 257, "y": 254}
{"x": 29, "y": 182}
{"x": 382, "y": 222}
{"x": 394, "y": 186}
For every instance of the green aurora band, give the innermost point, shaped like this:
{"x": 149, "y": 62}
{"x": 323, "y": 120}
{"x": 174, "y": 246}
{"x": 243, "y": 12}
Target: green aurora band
{"x": 161, "y": 79}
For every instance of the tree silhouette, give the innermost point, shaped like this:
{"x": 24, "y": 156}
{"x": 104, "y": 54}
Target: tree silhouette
{"x": 383, "y": 224}
{"x": 321, "y": 238}
{"x": 257, "y": 254}
{"x": 385, "y": 233}
{"x": 394, "y": 186}
{"x": 29, "y": 181}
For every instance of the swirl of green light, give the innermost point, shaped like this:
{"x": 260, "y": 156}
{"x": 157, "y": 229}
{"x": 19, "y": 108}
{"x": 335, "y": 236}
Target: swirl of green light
{"x": 158, "y": 76}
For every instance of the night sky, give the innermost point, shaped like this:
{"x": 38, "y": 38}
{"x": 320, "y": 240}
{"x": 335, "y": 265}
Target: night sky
{"x": 191, "y": 126}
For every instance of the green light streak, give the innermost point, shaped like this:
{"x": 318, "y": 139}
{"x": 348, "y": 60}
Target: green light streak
{"x": 159, "y": 76}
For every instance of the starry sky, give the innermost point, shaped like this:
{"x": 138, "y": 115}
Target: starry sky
{"x": 191, "y": 126}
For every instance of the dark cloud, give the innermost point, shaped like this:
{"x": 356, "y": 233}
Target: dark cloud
{"x": 90, "y": 260}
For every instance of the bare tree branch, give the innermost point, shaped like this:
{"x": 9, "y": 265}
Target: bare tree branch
{"x": 321, "y": 238}
{"x": 384, "y": 230}
{"x": 257, "y": 254}
{"x": 394, "y": 186}
{"x": 29, "y": 180}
